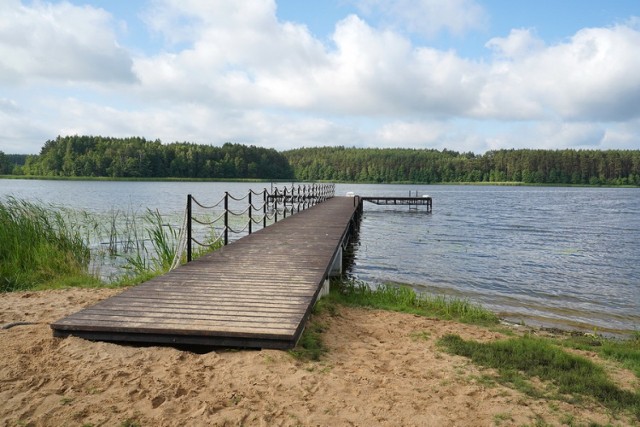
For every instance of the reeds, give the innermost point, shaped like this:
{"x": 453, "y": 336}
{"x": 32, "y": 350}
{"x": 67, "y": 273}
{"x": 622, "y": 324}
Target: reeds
{"x": 44, "y": 246}
{"x": 158, "y": 256}
{"x": 38, "y": 245}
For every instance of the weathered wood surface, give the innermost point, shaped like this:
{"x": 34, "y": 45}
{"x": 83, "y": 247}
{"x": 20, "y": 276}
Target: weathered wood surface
{"x": 255, "y": 292}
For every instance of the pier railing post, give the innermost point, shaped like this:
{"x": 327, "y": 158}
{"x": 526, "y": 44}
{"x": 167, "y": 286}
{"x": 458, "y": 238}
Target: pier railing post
{"x": 304, "y": 197}
{"x": 264, "y": 208}
{"x": 250, "y": 217}
{"x": 314, "y": 194}
{"x": 189, "y": 228}
{"x": 226, "y": 218}
{"x": 284, "y": 202}
{"x": 275, "y": 205}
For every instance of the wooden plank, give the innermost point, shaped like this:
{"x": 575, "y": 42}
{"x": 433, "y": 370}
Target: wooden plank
{"x": 217, "y": 302}
{"x": 222, "y": 329}
{"x": 255, "y": 292}
{"x": 205, "y": 306}
{"x": 155, "y": 321}
{"x": 179, "y": 311}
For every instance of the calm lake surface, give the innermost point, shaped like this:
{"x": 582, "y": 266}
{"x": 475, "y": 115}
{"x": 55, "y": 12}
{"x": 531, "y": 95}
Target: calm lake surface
{"x": 567, "y": 257}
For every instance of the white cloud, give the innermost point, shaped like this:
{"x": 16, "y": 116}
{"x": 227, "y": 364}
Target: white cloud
{"x": 592, "y": 76}
{"x": 368, "y": 72}
{"x": 18, "y": 131}
{"x": 231, "y": 71}
{"x": 568, "y": 135}
{"x": 622, "y": 135}
{"x": 520, "y": 43}
{"x": 428, "y": 17}
{"x": 411, "y": 134}
{"x": 237, "y": 54}
{"x": 59, "y": 42}
{"x": 200, "y": 124}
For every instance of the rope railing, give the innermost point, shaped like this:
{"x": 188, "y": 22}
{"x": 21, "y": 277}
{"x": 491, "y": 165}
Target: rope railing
{"x": 261, "y": 208}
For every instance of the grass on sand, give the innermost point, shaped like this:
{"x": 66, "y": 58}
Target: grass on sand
{"x": 517, "y": 360}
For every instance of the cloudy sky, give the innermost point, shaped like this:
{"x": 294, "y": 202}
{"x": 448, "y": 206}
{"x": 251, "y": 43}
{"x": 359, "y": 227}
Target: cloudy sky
{"x": 467, "y": 75}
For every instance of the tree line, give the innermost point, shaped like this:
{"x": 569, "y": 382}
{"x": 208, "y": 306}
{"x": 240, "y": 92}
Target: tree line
{"x": 593, "y": 167}
{"x": 9, "y": 163}
{"x": 96, "y": 156}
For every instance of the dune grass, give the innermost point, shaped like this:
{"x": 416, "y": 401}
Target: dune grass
{"x": 571, "y": 377}
{"x": 39, "y": 246}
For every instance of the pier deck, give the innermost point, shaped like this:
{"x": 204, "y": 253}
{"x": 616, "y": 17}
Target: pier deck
{"x": 256, "y": 292}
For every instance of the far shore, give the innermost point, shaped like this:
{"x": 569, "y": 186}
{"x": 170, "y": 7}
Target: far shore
{"x": 281, "y": 181}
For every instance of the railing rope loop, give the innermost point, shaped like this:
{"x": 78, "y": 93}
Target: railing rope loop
{"x": 285, "y": 200}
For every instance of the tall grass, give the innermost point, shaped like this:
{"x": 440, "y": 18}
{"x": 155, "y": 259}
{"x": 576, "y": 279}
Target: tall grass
{"x": 159, "y": 255}
{"x": 44, "y": 246}
{"x": 404, "y": 299}
{"x": 38, "y": 245}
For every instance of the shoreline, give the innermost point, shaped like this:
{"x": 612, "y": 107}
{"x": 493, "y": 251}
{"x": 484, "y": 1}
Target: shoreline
{"x": 381, "y": 368}
{"x": 293, "y": 180}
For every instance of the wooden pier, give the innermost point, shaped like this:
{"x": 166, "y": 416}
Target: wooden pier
{"x": 412, "y": 202}
{"x": 256, "y": 292}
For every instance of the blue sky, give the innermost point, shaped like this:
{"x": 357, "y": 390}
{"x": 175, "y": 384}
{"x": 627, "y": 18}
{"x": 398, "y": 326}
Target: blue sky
{"x": 466, "y": 75}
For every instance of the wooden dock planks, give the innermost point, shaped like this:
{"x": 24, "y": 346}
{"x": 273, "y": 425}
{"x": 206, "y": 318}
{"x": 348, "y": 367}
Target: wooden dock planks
{"x": 255, "y": 292}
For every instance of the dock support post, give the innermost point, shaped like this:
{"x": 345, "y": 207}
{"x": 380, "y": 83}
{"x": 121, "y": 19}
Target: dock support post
{"x": 336, "y": 266}
{"x": 326, "y": 288}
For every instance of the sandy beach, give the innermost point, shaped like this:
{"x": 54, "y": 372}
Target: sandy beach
{"x": 382, "y": 368}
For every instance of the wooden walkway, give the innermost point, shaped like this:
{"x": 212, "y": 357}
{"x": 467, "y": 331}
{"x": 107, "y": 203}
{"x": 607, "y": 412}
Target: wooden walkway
{"x": 256, "y": 292}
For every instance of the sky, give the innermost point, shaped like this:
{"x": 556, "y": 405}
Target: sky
{"x": 465, "y": 75}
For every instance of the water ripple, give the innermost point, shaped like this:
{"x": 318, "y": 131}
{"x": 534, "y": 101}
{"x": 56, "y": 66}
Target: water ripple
{"x": 553, "y": 256}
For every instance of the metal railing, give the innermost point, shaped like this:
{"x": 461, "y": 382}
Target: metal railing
{"x": 240, "y": 215}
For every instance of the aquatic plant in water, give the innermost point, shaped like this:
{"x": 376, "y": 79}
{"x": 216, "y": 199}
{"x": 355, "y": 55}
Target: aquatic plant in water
{"x": 38, "y": 245}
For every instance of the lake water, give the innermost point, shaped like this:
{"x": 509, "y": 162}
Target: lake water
{"x": 567, "y": 257}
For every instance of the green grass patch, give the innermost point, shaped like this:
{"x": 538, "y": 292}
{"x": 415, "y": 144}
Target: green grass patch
{"x": 38, "y": 247}
{"x": 404, "y": 299}
{"x": 517, "y": 360}
{"x": 385, "y": 297}
{"x": 624, "y": 351}
{"x": 311, "y": 346}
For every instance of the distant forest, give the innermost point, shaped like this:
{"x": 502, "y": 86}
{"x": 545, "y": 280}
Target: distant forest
{"x": 594, "y": 167}
{"x": 94, "y": 156}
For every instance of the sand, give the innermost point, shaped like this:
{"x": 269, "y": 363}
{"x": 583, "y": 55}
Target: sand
{"x": 382, "y": 368}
